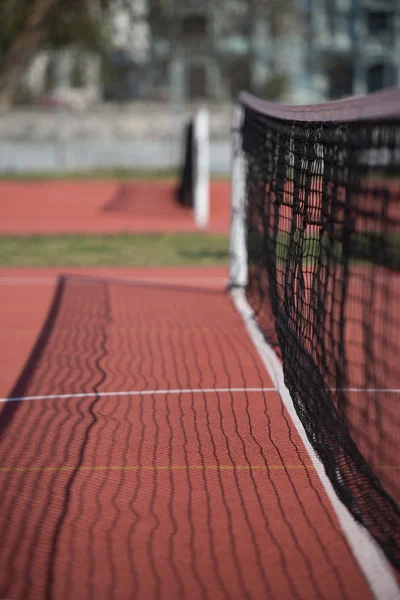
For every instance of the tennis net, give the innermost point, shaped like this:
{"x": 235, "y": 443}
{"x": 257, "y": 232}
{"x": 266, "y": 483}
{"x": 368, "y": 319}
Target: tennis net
{"x": 315, "y": 242}
{"x": 193, "y": 188}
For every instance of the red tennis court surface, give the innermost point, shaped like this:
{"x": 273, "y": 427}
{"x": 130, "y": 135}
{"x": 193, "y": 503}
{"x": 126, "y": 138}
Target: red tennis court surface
{"x": 164, "y": 464}
{"x": 54, "y": 207}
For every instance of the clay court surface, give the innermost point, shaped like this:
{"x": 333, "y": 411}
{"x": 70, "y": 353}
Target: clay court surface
{"x": 154, "y": 459}
{"x": 144, "y": 451}
{"x": 52, "y": 207}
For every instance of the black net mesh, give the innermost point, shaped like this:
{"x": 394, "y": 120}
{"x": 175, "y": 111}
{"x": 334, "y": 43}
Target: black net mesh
{"x": 323, "y": 242}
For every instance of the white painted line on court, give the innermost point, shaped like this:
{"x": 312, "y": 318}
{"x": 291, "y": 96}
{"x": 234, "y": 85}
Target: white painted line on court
{"x": 27, "y": 280}
{"x": 166, "y": 392}
{"x": 367, "y": 390}
{"x": 138, "y": 393}
{"x": 32, "y": 280}
{"x": 111, "y": 275}
{"x": 366, "y": 551}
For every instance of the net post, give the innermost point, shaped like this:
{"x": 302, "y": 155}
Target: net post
{"x": 238, "y": 250}
{"x": 201, "y": 157}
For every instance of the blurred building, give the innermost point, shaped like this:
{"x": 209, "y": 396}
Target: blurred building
{"x": 353, "y": 46}
{"x": 178, "y": 51}
{"x": 185, "y": 50}
{"x": 293, "y": 50}
{"x": 214, "y": 49}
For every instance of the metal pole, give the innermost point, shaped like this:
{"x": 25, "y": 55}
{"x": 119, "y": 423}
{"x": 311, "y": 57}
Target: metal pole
{"x": 202, "y": 169}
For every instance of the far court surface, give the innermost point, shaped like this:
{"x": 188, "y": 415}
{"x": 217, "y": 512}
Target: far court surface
{"x": 53, "y": 207}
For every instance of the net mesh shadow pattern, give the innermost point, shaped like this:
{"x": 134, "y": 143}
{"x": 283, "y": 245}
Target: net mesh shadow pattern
{"x": 322, "y": 221}
{"x": 168, "y": 492}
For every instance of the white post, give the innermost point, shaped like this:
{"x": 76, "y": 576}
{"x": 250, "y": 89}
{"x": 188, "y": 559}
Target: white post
{"x": 201, "y": 157}
{"x": 238, "y": 250}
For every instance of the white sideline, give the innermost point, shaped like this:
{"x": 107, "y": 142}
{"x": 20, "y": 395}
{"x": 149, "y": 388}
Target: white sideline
{"x": 366, "y": 390}
{"x": 366, "y": 551}
{"x": 138, "y": 393}
{"x": 32, "y": 280}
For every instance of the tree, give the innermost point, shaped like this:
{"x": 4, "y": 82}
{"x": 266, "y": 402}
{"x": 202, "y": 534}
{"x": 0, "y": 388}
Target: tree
{"x": 27, "y": 25}
{"x": 21, "y": 48}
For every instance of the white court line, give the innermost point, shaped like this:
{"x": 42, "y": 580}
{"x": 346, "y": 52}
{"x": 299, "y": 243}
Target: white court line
{"x": 32, "y": 280}
{"x": 27, "y": 280}
{"x": 366, "y": 390}
{"x": 174, "y": 391}
{"x": 366, "y": 551}
{"x": 138, "y": 393}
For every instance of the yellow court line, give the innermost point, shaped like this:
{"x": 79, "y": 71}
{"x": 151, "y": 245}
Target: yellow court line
{"x": 156, "y": 468}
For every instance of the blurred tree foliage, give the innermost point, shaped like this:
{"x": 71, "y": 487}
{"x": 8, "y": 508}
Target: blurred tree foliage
{"x": 63, "y": 22}
{"x": 26, "y": 25}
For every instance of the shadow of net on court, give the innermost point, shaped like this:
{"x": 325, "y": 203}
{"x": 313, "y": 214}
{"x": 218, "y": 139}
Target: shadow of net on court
{"x": 133, "y": 480}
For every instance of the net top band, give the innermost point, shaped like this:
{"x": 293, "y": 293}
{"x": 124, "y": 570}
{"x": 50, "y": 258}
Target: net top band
{"x": 375, "y": 106}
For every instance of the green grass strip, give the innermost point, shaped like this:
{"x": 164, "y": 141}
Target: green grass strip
{"x": 114, "y": 250}
{"x": 101, "y": 174}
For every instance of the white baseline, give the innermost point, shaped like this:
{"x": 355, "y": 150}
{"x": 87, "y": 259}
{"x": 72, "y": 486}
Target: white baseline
{"x": 139, "y": 393}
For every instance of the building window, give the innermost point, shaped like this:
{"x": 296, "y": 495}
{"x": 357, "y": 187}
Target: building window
{"x": 390, "y": 75}
{"x": 237, "y": 73}
{"x": 379, "y": 21}
{"x": 77, "y": 75}
{"x": 376, "y": 77}
{"x": 194, "y": 27}
{"x": 197, "y": 82}
{"x": 340, "y": 79}
{"x": 330, "y": 16}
